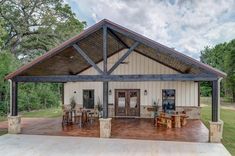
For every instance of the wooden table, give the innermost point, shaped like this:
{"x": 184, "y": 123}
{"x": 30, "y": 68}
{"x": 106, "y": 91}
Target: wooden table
{"x": 176, "y": 118}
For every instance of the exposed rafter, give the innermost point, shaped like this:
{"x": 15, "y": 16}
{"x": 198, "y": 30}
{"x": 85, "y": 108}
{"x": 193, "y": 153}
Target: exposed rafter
{"x": 123, "y": 57}
{"x": 84, "y": 55}
{"x": 115, "y": 36}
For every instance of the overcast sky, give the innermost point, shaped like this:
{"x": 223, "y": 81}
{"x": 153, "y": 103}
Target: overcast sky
{"x": 188, "y": 26}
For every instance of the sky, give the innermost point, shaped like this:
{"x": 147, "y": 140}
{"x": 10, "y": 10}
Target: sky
{"x": 186, "y": 25}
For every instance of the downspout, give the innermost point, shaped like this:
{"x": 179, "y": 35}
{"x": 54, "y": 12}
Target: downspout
{"x": 10, "y": 81}
{"x": 219, "y": 106}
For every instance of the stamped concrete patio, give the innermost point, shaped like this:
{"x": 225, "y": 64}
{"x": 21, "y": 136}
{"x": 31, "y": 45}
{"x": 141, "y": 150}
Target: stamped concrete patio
{"x": 36, "y": 145}
{"x": 143, "y": 129}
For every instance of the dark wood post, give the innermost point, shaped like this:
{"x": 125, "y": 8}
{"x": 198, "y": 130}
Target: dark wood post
{"x": 14, "y": 101}
{"x": 105, "y": 83}
{"x": 215, "y": 97}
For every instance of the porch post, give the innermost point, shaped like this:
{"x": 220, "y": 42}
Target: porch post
{"x": 14, "y": 92}
{"x": 105, "y": 83}
{"x": 216, "y": 125}
{"x": 13, "y": 119}
{"x": 215, "y": 98}
{"x": 105, "y": 122}
{"x": 105, "y": 99}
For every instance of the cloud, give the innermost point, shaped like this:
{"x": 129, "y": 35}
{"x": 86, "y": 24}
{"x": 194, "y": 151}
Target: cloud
{"x": 188, "y": 26}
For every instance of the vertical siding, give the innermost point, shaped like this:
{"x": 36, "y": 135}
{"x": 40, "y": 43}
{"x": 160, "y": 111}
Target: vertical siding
{"x": 186, "y": 91}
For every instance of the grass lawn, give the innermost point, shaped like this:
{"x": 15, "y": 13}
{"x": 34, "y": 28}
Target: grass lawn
{"x": 44, "y": 113}
{"x": 228, "y": 116}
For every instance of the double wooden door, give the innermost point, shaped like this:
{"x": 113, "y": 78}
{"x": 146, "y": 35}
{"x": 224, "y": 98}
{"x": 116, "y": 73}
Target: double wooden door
{"x": 127, "y": 102}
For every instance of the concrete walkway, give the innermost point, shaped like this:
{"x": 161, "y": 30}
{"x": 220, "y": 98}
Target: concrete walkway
{"x": 37, "y": 145}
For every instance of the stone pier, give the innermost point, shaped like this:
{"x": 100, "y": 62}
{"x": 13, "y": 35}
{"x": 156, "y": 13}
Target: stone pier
{"x": 14, "y": 126}
{"x": 215, "y": 131}
{"x": 105, "y": 127}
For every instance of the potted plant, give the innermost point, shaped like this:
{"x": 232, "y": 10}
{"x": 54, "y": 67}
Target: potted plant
{"x": 100, "y": 108}
{"x": 73, "y": 103}
{"x": 155, "y": 109}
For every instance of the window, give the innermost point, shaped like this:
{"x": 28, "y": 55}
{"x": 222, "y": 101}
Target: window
{"x": 168, "y": 99}
{"x": 88, "y": 99}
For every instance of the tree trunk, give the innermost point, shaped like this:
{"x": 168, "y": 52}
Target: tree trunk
{"x": 233, "y": 95}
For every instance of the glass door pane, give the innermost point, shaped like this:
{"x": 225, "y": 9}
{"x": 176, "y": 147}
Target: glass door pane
{"x": 133, "y": 109}
{"x": 121, "y": 102}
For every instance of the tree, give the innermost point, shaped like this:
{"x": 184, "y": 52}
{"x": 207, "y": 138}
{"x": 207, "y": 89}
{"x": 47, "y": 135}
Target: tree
{"x": 29, "y": 28}
{"x": 7, "y": 63}
{"x": 230, "y": 68}
{"x": 221, "y": 56}
{"x": 35, "y": 26}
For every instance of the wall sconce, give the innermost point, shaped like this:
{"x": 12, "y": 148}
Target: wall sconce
{"x": 110, "y": 92}
{"x": 145, "y": 92}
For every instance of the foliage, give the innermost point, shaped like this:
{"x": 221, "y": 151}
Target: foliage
{"x": 7, "y": 64}
{"x": 205, "y": 89}
{"x": 34, "y": 27}
{"x": 27, "y": 30}
{"x": 34, "y": 96}
{"x": 222, "y": 57}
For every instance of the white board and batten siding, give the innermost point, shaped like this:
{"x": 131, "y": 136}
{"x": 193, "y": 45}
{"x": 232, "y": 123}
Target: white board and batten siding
{"x": 186, "y": 91}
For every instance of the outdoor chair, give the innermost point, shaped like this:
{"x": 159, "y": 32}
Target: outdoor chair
{"x": 91, "y": 117}
{"x": 65, "y": 118}
{"x": 184, "y": 118}
{"x": 78, "y": 117}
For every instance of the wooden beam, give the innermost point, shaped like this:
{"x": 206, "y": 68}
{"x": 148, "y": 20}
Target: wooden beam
{"x": 14, "y": 98}
{"x": 115, "y": 36}
{"x": 215, "y": 97}
{"x": 105, "y": 66}
{"x": 123, "y": 57}
{"x": 84, "y": 55}
{"x": 105, "y": 40}
{"x": 125, "y": 78}
{"x": 105, "y": 99}
{"x": 159, "y": 47}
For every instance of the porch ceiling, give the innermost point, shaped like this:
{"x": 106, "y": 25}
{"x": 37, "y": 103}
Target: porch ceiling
{"x": 65, "y": 60}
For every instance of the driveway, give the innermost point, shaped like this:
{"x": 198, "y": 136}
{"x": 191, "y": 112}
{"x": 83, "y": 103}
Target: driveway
{"x": 41, "y": 145}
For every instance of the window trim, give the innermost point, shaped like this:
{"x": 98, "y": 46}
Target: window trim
{"x": 83, "y": 102}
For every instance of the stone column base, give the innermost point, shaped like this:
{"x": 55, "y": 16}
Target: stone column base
{"x": 105, "y": 127}
{"x": 215, "y": 131}
{"x": 14, "y": 126}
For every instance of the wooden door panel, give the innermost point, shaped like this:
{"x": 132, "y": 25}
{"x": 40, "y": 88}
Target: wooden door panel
{"x": 133, "y": 103}
{"x": 120, "y": 102}
{"x": 127, "y": 102}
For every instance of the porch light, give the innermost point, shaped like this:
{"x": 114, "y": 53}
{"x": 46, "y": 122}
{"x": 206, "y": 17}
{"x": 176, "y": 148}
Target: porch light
{"x": 110, "y": 92}
{"x": 145, "y": 92}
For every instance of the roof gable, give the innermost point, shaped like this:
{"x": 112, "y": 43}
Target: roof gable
{"x": 64, "y": 60}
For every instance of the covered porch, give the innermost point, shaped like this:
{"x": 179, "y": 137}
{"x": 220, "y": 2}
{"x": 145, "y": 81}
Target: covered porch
{"x": 141, "y": 129}
{"x": 66, "y": 62}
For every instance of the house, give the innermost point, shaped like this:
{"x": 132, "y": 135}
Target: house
{"x": 125, "y": 72}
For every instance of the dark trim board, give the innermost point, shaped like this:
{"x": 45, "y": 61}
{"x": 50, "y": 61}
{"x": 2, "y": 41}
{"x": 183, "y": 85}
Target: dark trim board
{"x": 14, "y": 98}
{"x": 199, "y": 94}
{"x": 215, "y": 104}
{"x": 127, "y": 78}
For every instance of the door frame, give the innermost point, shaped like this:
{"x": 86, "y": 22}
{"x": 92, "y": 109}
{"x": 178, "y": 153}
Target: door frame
{"x": 115, "y": 101}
